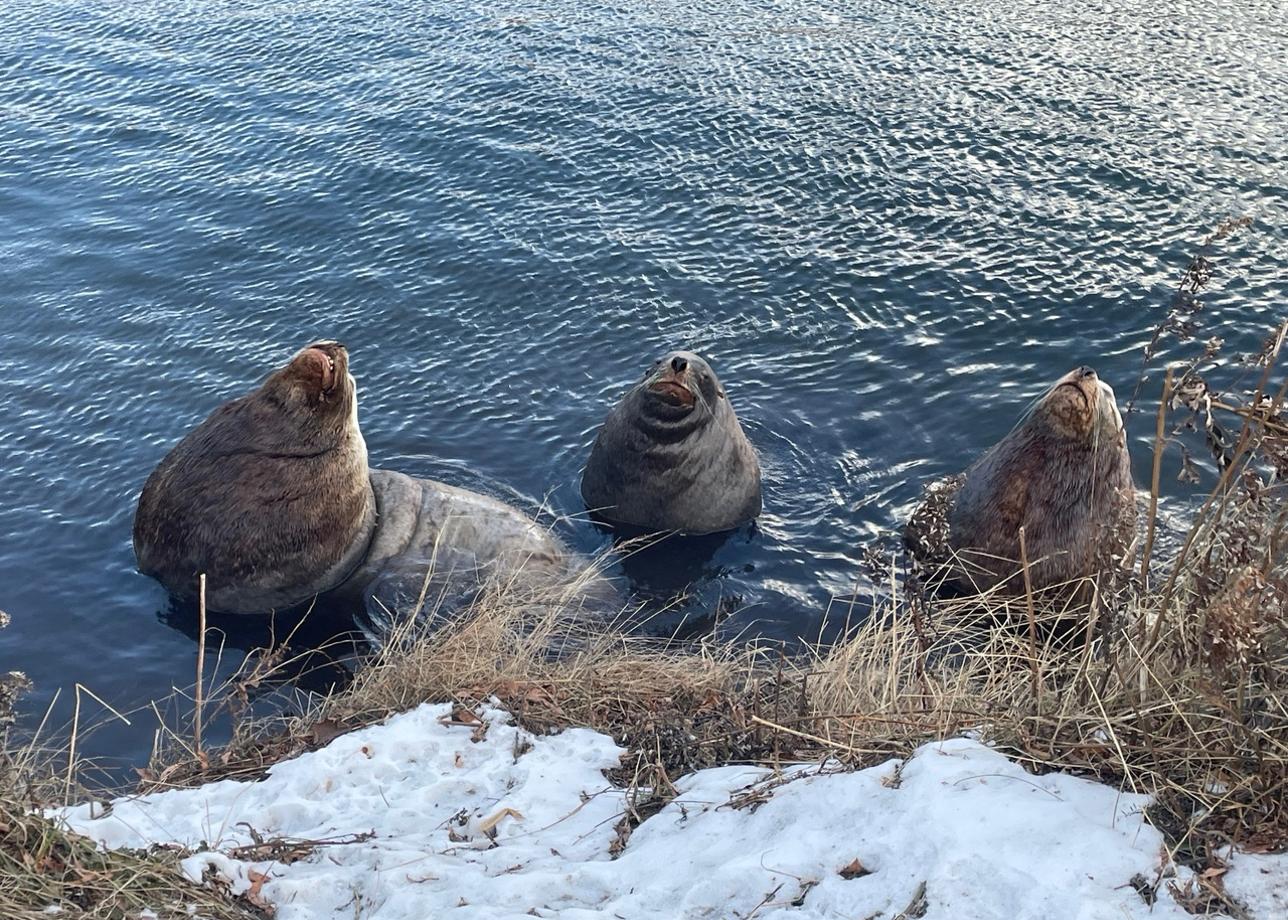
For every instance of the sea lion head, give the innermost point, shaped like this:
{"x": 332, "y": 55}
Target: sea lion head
{"x": 672, "y": 456}
{"x": 269, "y": 497}
{"x": 314, "y": 391}
{"x": 1081, "y": 408}
{"x": 680, "y": 391}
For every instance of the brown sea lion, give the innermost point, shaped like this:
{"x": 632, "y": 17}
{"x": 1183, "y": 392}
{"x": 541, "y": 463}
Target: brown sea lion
{"x": 271, "y": 497}
{"x": 1063, "y": 474}
{"x": 671, "y": 455}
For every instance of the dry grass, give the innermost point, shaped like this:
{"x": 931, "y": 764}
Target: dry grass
{"x": 42, "y": 866}
{"x": 684, "y": 705}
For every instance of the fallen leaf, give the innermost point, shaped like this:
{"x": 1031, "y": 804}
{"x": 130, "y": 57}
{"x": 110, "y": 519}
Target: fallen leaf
{"x": 489, "y": 823}
{"x": 855, "y": 869}
{"x": 325, "y": 731}
{"x": 254, "y": 893}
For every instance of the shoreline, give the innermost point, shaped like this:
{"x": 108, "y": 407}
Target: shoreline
{"x": 1174, "y": 691}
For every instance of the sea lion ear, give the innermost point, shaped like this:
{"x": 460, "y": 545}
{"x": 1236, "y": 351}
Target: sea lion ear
{"x": 720, "y": 392}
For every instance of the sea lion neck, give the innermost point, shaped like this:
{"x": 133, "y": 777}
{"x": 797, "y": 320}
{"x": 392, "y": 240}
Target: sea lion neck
{"x": 662, "y": 424}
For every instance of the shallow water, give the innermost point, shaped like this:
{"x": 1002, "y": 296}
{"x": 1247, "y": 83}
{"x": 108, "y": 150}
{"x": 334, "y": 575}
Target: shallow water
{"x": 889, "y": 225}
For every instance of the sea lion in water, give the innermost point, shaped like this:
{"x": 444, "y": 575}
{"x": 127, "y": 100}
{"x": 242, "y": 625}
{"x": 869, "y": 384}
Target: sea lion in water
{"x": 272, "y": 498}
{"x": 671, "y": 455}
{"x": 1063, "y": 474}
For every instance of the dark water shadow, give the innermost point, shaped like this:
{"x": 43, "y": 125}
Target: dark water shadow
{"x": 314, "y": 648}
{"x": 680, "y": 584}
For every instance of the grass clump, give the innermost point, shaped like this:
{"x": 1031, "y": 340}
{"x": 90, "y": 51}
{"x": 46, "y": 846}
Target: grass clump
{"x": 47, "y": 871}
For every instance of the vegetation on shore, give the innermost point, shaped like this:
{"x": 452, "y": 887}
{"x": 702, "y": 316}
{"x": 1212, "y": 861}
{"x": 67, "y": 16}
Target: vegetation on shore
{"x": 1176, "y": 684}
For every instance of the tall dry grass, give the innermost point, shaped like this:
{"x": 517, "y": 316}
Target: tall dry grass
{"x": 46, "y": 871}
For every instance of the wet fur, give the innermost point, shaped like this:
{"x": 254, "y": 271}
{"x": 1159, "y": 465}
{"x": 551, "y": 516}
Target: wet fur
{"x": 657, "y": 467}
{"x": 1063, "y": 474}
{"x": 266, "y": 496}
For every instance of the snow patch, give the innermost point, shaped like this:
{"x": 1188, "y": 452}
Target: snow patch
{"x": 419, "y": 817}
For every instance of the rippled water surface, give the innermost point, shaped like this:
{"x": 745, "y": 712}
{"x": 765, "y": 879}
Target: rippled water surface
{"x": 888, "y": 224}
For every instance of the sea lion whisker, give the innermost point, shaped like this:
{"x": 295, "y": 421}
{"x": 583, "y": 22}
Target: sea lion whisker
{"x": 1027, "y": 412}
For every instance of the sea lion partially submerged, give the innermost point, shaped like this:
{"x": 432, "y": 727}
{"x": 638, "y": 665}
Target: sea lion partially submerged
{"x": 671, "y": 455}
{"x": 1063, "y": 474}
{"x": 272, "y": 499}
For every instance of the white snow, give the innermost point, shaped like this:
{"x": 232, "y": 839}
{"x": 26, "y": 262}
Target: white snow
{"x": 1259, "y": 883}
{"x": 956, "y": 830}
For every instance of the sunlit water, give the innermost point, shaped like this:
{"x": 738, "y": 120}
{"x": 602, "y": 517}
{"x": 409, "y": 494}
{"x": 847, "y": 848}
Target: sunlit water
{"x": 888, "y": 224}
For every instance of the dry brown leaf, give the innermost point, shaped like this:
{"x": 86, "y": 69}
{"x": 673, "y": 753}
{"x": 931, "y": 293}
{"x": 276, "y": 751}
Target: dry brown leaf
{"x": 325, "y": 730}
{"x": 254, "y": 894}
{"x": 487, "y": 825}
{"x": 855, "y": 869}
{"x": 460, "y": 715}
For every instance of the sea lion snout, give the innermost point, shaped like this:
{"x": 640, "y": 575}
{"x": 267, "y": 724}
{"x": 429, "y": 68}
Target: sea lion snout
{"x": 673, "y": 380}
{"x": 321, "y": 366}
{"x": 1073, "y": 404}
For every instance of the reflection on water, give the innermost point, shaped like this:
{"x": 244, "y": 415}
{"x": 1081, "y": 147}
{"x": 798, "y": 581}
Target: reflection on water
{"x": 888, "y": 225}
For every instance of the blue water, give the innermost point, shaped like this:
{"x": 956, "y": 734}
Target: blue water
{"x": 888, "y": 225}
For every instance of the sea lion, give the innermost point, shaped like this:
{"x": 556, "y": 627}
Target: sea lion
{"x": 1063, "y": 474}
{"x": 671, "y": 455}
{"x": 272, "y": 499}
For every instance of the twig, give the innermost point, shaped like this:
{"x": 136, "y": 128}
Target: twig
{"x": 916, "y": 907}
{"x": 815, "y": 738}
{"x": 1159, "y": 442}
{"x": 1226, "y": 476}
{"x": 1250, "y": 415}
{"x": 767, "y": 899}
{"x": 1033, "y": 622}
{"x": 201, "y": 660}
{"x": 71, "y": 750}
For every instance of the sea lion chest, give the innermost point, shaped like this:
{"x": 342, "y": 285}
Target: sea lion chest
{"x": 703, "y": 480}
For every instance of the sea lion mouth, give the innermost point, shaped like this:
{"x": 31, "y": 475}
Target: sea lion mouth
{"x": 673, "y": 393}
{"x": 327, "y": 361}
